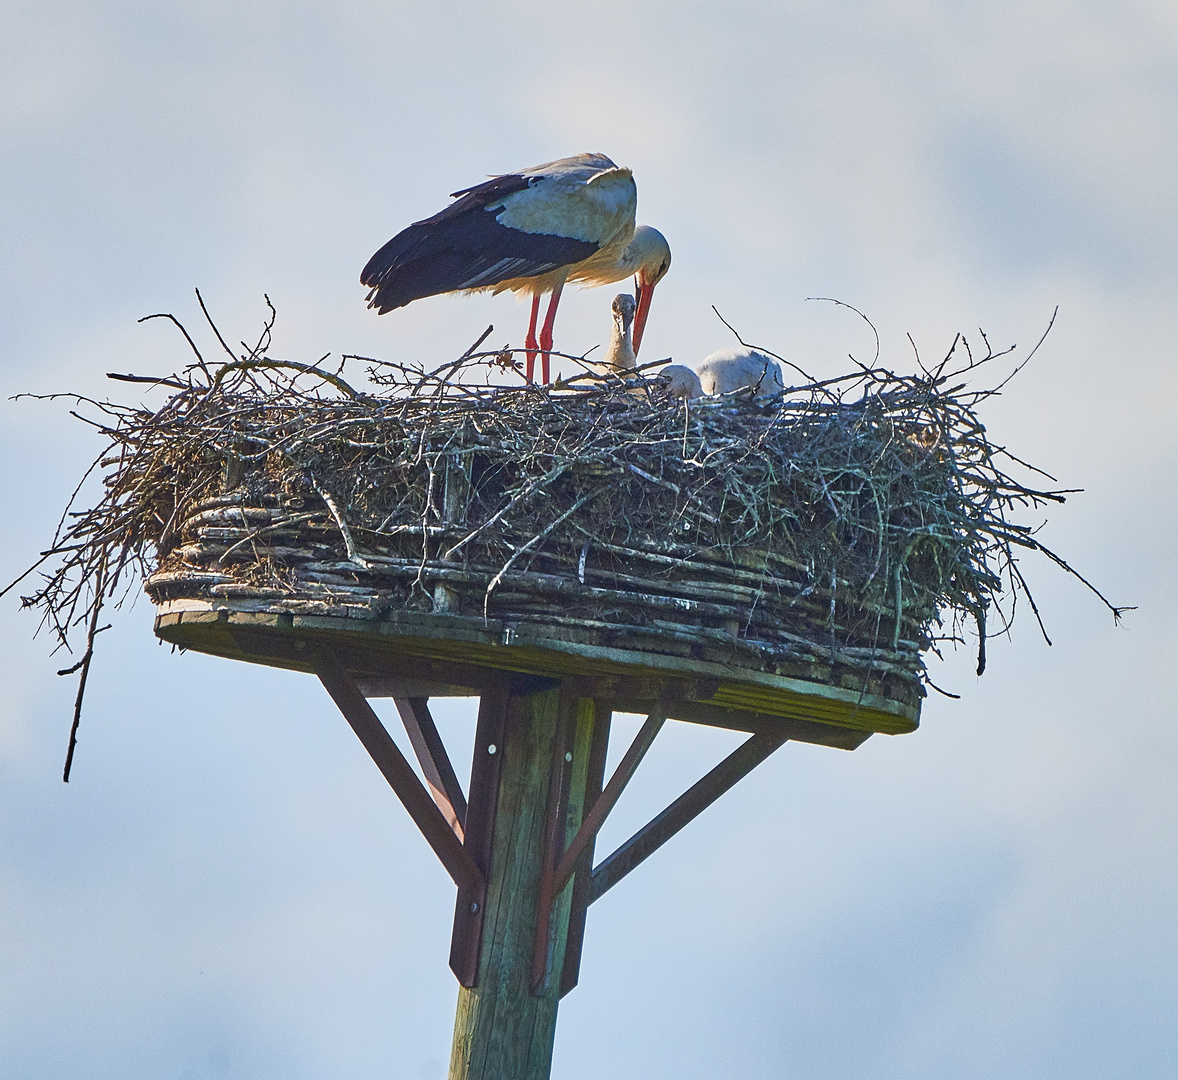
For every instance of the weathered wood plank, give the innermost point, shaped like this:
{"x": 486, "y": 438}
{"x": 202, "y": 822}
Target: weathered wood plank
{"x": 458, "y": 650}
{"x": 709, "y": 715}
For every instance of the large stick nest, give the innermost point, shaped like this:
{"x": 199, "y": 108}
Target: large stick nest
{"x": 847, "y": 525}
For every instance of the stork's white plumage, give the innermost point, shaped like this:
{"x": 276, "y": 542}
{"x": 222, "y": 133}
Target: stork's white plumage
{"x": 529, "y": 231}
{"x": 728, "y": 370}
{"x": 681, "y": 382}
{"x": 647, "y": 257}
{"x": 619, "y": 354}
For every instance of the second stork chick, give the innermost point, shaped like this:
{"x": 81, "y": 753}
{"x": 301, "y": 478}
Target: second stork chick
{"x": 681, "y": 382}
{"x": 729, "y": 370}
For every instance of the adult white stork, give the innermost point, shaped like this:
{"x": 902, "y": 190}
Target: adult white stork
{"x": 529, "y": 231}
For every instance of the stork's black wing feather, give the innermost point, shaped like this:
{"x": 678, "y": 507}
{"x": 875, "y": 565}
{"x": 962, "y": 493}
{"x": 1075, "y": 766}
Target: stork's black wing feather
{"x": 465, "y": 247}
{"x": 490, "y": 191}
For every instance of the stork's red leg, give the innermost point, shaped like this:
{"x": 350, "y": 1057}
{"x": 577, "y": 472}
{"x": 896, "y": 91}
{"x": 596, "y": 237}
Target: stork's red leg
{"x": 530, "y": 343}
{"x": 546, "y": 332}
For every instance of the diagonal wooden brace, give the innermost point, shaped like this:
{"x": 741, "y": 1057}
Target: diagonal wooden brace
{"x": 696, "y": 799}
{"x": 435, "y": 762}
{"x": 397, "y": 771}
{"x": 608, "y": 799}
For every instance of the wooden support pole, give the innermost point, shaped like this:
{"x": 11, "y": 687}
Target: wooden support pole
{"x": 503, "y": 1030}
{"x": 520, "y": 848}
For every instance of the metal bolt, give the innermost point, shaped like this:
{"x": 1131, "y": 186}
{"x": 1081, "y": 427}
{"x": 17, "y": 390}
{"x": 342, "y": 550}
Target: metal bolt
{"x": 568, "y": 756}
{"x": 474, "y": 908}
{"x": 491, "y": 749}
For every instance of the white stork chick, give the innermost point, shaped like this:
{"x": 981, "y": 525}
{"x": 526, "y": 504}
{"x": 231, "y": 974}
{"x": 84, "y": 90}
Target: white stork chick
{"x": 619, "y": 357}
{"x": 678, "y": 381}
{"x": 729, "y": 370}
{"x": 681, "y": 382}
{"x": 528, "y": 232}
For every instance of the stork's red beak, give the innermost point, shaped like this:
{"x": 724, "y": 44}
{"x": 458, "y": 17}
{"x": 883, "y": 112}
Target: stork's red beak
{"x": 645, "y": 292}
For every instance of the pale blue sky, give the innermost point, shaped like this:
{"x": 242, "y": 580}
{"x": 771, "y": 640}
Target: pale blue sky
{"x": 227, "y": 888}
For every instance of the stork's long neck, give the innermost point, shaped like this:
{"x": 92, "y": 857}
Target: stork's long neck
{"x": 620, "y": 354}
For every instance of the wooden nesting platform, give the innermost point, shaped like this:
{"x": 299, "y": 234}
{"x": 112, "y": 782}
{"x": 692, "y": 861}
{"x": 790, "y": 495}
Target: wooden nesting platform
{"x": 519, "y": 841}
{"x": 771, "y": 566}
{"x": 449, "y": 655}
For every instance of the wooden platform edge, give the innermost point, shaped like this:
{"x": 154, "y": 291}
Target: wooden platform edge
{"x": 439, "y": 655}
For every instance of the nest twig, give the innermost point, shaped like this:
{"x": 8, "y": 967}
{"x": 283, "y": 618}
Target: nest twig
{"x": 851, "y": 522}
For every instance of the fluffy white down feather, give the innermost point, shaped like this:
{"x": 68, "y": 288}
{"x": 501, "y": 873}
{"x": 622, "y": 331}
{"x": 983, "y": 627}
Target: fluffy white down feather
{"x": 681, "y": 382}
{"x": 727, "y": 370}
{"x": 619, "y": 356}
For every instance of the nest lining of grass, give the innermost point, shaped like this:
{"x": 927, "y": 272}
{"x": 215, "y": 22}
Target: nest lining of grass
{"x": 837, "y": 531}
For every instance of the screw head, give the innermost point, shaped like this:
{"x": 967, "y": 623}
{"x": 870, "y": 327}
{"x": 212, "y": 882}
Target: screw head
{"x": 474, "y": 908}
{"x": 492, "y": 748}
{"x": 568, "y": 756}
